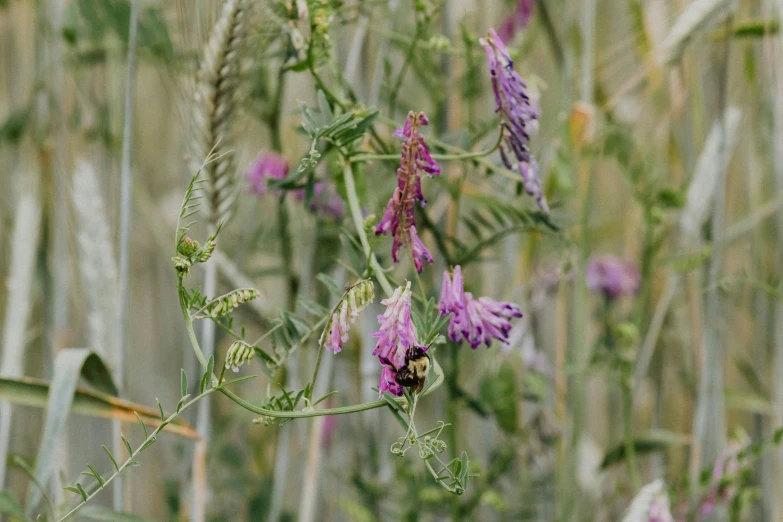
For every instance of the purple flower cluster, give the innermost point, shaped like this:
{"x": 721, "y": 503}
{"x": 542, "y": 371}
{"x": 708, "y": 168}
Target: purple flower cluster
{"x": 268, "y": 165}
{"x": 612, "y": 276}
{"x": 474, "y": 320}
{"x": 518, "y": 114}
{"x": 398, "y": 217}
{"x": 273, "y": 166}
{"x": 396, "y": 338}
{"x": 517, "y": 20}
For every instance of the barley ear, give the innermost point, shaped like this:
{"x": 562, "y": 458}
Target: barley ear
{"x": 215, "y": 104}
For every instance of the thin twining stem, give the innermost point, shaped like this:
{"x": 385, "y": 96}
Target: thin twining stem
{"x": 344, "y": 410}
{"x": 356, "y": 214}
{"x": 459, "y": 154}
{"x": 149, "y": 440}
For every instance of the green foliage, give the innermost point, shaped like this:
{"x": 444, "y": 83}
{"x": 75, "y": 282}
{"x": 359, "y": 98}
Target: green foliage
{"x": 492, "y": 222}
{"x": 428, "y": 322}
{"x": 88, "y": 23}
{"x": 12, "y": 130}
{"x": 500, "y": 391}
{"x": 10, "y": 506}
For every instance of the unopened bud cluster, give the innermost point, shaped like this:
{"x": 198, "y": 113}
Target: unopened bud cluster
{"x": 227, "y": 303}
{"x": 192, "y": 252}
{"x": 238, "y": 354}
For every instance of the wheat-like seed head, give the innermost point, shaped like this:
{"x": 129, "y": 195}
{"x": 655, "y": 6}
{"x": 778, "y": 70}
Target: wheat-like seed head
{"x": 215, "y": 103}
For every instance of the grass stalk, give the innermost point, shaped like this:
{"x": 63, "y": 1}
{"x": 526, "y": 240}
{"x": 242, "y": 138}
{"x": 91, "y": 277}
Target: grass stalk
{"x": 24, "y": 245}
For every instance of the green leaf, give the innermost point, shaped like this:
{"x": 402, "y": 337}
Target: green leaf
{"x": 147, "y": 444}
{"x": 324, "y": 397}
{"x": 160, "y": 409}
{"x": 641, "y": 447}
{"x": 210, "y": 367}
{"x": 127, "y": 445}
{"x": 751, "y": 377}
{"x": 79, "y": 490}
{"x": 95, "y": 474}
{"x": 183, "y": 384}
{"x": 141, "y": 423}
{"x": 330, "y": 283}
{"x": 13, "y": 128}
{"x": 134, "y": 464}
{"x": 463, "y": 475}
{"x": 10, "y": 506}
{"x": 181, "y": 402}
{"x": 113, "y": 460}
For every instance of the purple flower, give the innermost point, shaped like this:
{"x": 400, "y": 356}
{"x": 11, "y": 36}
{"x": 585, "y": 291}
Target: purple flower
{"x": 396, "y": 340}
{"x": 476, "y": 321}
{"x": 325, "y": 201}
{"x": 517, "y": 20}
{"x": 518, "y": 116}
{"x": 388, "y": 382}
{"x": 268, "y": 165}
{"x": 396, "y": 333}
{"x": 273, "y": 166}
{"x": 398, "y": 217}
{"x": 612, "y": 276}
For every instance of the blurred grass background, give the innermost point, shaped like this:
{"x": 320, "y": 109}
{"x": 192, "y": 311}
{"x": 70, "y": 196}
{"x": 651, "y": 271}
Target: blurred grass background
{"x": 621, "y": 137}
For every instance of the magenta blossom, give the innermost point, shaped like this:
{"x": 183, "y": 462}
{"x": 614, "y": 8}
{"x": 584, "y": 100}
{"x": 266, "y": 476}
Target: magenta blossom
{"x": 612, "y": 276}
{"x": 476, "y": 321}
{"x": 388, "y": 382}
{"x": 398, "y": 217}
{"x": 325, "y": 201}
{"x": 518, "y": 116}
{"x": 396, "y": 340}
{"x": 396, "y": 333}
{"x": 268, "y": 165}
{"x": 517, "y": 20}
{"x": 271, "y": 166}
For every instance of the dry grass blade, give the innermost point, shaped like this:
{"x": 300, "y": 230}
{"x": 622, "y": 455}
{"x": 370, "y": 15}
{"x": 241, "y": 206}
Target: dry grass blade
{"x": 698, "y": 16}
{"x": 701, "y": 190}
{"x": 22, "y": 271}
{"x": 215, "y": 104}
{"x": 97, "y": 263}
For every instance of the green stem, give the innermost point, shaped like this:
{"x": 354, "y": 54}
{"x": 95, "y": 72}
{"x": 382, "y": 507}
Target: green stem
{"x": 194, "y": 341}
{"x": 330, "y": 411}
{"x": 315, "y": 369}
{"x": 133, "y": 455}
{"x": 356, "y": 214}
{"x": 459, "y": 154}
{"x": 630, "y": 449}
{"x": 502, "y": 171}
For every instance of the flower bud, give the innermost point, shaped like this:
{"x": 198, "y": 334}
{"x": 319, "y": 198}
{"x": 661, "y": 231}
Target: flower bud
{"x": 205, "y": 252}
{"x": 239, "y": 353}
{"x": 182, "y": 265}
{"x": 188, "y": 246}
{"x": 227, "y": 303}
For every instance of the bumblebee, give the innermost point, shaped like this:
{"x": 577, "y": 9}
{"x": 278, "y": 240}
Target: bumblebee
{"x": 414, "y": 373}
